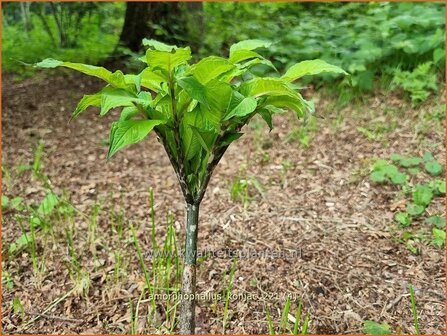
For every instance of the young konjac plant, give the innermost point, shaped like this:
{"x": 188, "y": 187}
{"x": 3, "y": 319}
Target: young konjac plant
{"x": 196, "y": 111}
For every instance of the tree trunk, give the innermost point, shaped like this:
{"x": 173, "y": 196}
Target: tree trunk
{"x": 164, "y": 21}
{"x": 188, "y": 299}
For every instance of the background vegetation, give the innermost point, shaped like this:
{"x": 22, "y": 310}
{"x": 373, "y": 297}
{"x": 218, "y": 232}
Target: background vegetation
{"x": 395, "y": 46}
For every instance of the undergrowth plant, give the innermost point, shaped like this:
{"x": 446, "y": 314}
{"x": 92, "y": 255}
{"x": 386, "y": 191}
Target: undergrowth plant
{"x": 196, "y": 111}
{"x": 420, "y": 182}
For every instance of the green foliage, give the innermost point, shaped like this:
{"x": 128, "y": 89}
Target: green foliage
{"x": 414, "y": 308}
{"x": 437, "y": 221}
{"x": 403, "y": 218}
{"x": 375, "y": 328}
{"x": 438, "y": 237}
{"x": 245, "y": 189}
{"x": 422, "y": 194}
{"x": 382, "y": 172}
{"x": 433, "y": 168}
{"x": 419, "y": 83}
{"x": 370, "y": 40}
{"x": 82, "y": 32}
{"x": 299, "y": 326}
{"x": 196, "y": 110}
{"x": 5, "y": 202}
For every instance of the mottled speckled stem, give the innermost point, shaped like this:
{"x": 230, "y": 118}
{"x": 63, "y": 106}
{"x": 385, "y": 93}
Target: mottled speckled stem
{"x": 188, "y": 302}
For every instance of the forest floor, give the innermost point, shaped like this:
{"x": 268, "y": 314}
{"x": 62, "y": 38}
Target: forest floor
{"x": 353, "y": 263}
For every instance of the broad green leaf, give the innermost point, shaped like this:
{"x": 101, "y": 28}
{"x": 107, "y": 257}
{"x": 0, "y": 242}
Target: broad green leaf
{"x": 195, "y": 89}
{"x": 296, "y": 104}
{"x": 129, "y": 132}
{"x": 47, "y": 205}
{"x": 374, "y": 328}
{"x": 128, "y": 112}
{"x": 312, "y": 67}
{"x": 133, "y": 80}
{"x": 190, "y": 140}
{"x": 240, "y": 106}
{"x": 214, "y": 95}
{"x": 433, "y": 168}
{"x": 206, "y": 138}
{"x": 115, "y": 79}
{"x": 151, "y": 80}
{"x": 210, "y": 68}
{"x": 243, "y": 55}
{"x": 415, "y": 209}
{"x": 167, "y": 61}
{"x": 249, "y": 45}
{"x": 266, "y": 114}
{"x": 267, "y": 87}
{"x": 161, "y": 108}
{"x": 87, "y": 101}
{"x": 422, "y": 195}
{"x": 228, "y": 138}
{"x": 120, "y": 97}
{"x": 158, "y": 45}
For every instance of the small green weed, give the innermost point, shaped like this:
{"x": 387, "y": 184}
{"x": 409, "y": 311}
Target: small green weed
{"x": 401, "y": 171}
{"x": 298, "y": 326}
{"x": 375, "y": 328}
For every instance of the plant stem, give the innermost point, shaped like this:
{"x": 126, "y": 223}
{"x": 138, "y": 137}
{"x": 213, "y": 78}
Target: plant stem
{"x": 188, "y": 302}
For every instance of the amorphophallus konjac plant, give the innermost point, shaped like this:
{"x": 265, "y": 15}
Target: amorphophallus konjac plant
{"x": 197, "y": 111}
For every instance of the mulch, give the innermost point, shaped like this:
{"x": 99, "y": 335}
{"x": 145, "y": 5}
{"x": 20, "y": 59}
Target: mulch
{"x": 350, "y": 265}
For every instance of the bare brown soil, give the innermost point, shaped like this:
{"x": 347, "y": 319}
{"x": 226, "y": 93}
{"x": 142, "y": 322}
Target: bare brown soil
{"x": 350, "y": 267}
